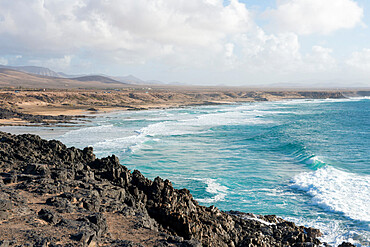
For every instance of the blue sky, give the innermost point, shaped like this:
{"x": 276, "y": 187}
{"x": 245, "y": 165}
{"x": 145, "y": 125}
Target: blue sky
{"x": 205, "y": 42}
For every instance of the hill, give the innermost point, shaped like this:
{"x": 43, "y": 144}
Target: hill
{"x": 42, "y": 71}
{"x": 33, "y": 70}
{"x": 97, "y": 78}
{"x": 13, "y": 78}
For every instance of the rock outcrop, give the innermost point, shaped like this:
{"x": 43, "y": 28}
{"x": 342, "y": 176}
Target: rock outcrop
{"x": 37, "y": 119}
{"x": 51, "y": 195}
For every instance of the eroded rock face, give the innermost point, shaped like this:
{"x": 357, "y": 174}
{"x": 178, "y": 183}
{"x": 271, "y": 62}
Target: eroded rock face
{"x": 81, "y": 190}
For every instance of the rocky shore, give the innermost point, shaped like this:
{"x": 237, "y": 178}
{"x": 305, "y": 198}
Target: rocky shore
{"x": 52, "y": 106}
{"x": 51, "y": 195}
{"x": 38, "y": 119}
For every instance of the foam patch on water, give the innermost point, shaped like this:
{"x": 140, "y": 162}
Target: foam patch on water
{"x": 166, "y": 128}
{"x": 317, "y": 101}
{"x": 215, "y": 188}
{"x": 335, "y": 232}
{"x": 89, "y": 135}
{"x": 337, "y": 191}
{"x": 125, "y": 144}
{"x": 167, "y": 123}
{"x": 255, "y": 218}
{"x": 88, "y": 130}
{"x": 199, "y": 123}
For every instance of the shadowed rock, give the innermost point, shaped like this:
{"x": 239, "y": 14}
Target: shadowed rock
{"x": 77, "y": 183}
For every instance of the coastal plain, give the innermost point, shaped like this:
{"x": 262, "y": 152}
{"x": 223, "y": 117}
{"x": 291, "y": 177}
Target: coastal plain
{"x": 46, "y": 106}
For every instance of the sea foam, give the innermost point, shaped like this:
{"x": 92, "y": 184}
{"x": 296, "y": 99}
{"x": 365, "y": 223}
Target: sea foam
{"x": 219, "y": 191}
{"x": 337, "y": 191}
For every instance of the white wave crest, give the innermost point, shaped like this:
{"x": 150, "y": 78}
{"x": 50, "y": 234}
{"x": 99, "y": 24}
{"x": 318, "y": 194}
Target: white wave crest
{"x": 334, "y": 232}
{"x": 129, "y": 143}
{"x": 215, "y": 188}
{"x": 337, "y": 191}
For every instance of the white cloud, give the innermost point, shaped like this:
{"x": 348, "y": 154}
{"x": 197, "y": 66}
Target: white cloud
{"x": 229, "y": 49}
{"x": 264, "y": 52}
{"x": 320, "y": 59}
{"x": 315, "y": 16}
{"x": 360, "y": 60}
{"x": 187, "y": 39}
{"x": 58, "y": 64}
{"x": 122, "y": 29}
{"x": 3, "y": 61}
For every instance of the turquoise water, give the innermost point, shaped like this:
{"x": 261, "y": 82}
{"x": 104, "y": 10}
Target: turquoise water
{"x": 304, "y": 160}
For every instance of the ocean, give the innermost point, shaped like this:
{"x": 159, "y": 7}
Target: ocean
{"x": 304, "y": 160}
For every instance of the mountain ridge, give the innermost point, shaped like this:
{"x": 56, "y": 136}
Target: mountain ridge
{"x": 43, "y": 71}
{"x": 15, "y": 78}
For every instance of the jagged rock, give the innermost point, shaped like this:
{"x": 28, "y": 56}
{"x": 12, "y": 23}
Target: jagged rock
{"x": 49, "y": 216}
{"x": 87, "y": 238}
{"x": 38, "y": 169}
{"x": 179, "y": 241}
{"x": 63, "y": 205}
{"x": 99, "y": 224}
{"x": 346, "y": 244}
{"x": 82, "y": 184}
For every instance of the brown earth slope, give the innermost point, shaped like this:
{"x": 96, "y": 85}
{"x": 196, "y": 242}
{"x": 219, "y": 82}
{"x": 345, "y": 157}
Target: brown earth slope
{"x": 55, "y": 102}
{"x": 15, "y": 79}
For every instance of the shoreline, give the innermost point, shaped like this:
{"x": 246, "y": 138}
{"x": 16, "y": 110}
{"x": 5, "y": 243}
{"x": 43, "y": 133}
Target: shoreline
{"x": 68, "y": 196}
{"x": 115, "y": 217}
{"x": 53, "y": 107}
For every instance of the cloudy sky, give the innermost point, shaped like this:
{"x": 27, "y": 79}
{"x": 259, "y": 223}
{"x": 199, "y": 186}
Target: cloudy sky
{"x": 230, "y": 42}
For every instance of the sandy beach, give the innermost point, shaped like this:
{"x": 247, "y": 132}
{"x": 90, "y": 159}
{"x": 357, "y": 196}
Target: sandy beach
{"x": 47, "y": 105}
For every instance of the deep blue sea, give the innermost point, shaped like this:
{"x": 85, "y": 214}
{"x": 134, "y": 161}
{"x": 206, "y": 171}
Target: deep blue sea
{"x": 304, "y": 160}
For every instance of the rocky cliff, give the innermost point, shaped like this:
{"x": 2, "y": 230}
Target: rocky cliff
{"x": 51, "y": 195}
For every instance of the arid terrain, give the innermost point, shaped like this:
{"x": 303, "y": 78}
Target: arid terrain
{"x": 77, "y": 102}
{"x": 31, "y": 98}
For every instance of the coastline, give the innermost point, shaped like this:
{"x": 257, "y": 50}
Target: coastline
{"x": 119, "y": 218}
{"x": 51, "y": 107}
{"x": 53, "y": 194}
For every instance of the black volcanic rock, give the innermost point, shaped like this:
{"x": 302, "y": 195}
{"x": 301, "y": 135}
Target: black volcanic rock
{"x": 74, "y": 182}
{"x": 49, "y": 216}
{"x": 39, "y": 119}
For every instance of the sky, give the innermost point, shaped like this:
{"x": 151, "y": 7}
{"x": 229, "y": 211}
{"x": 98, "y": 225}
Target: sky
{"x": 204, "y": 42}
